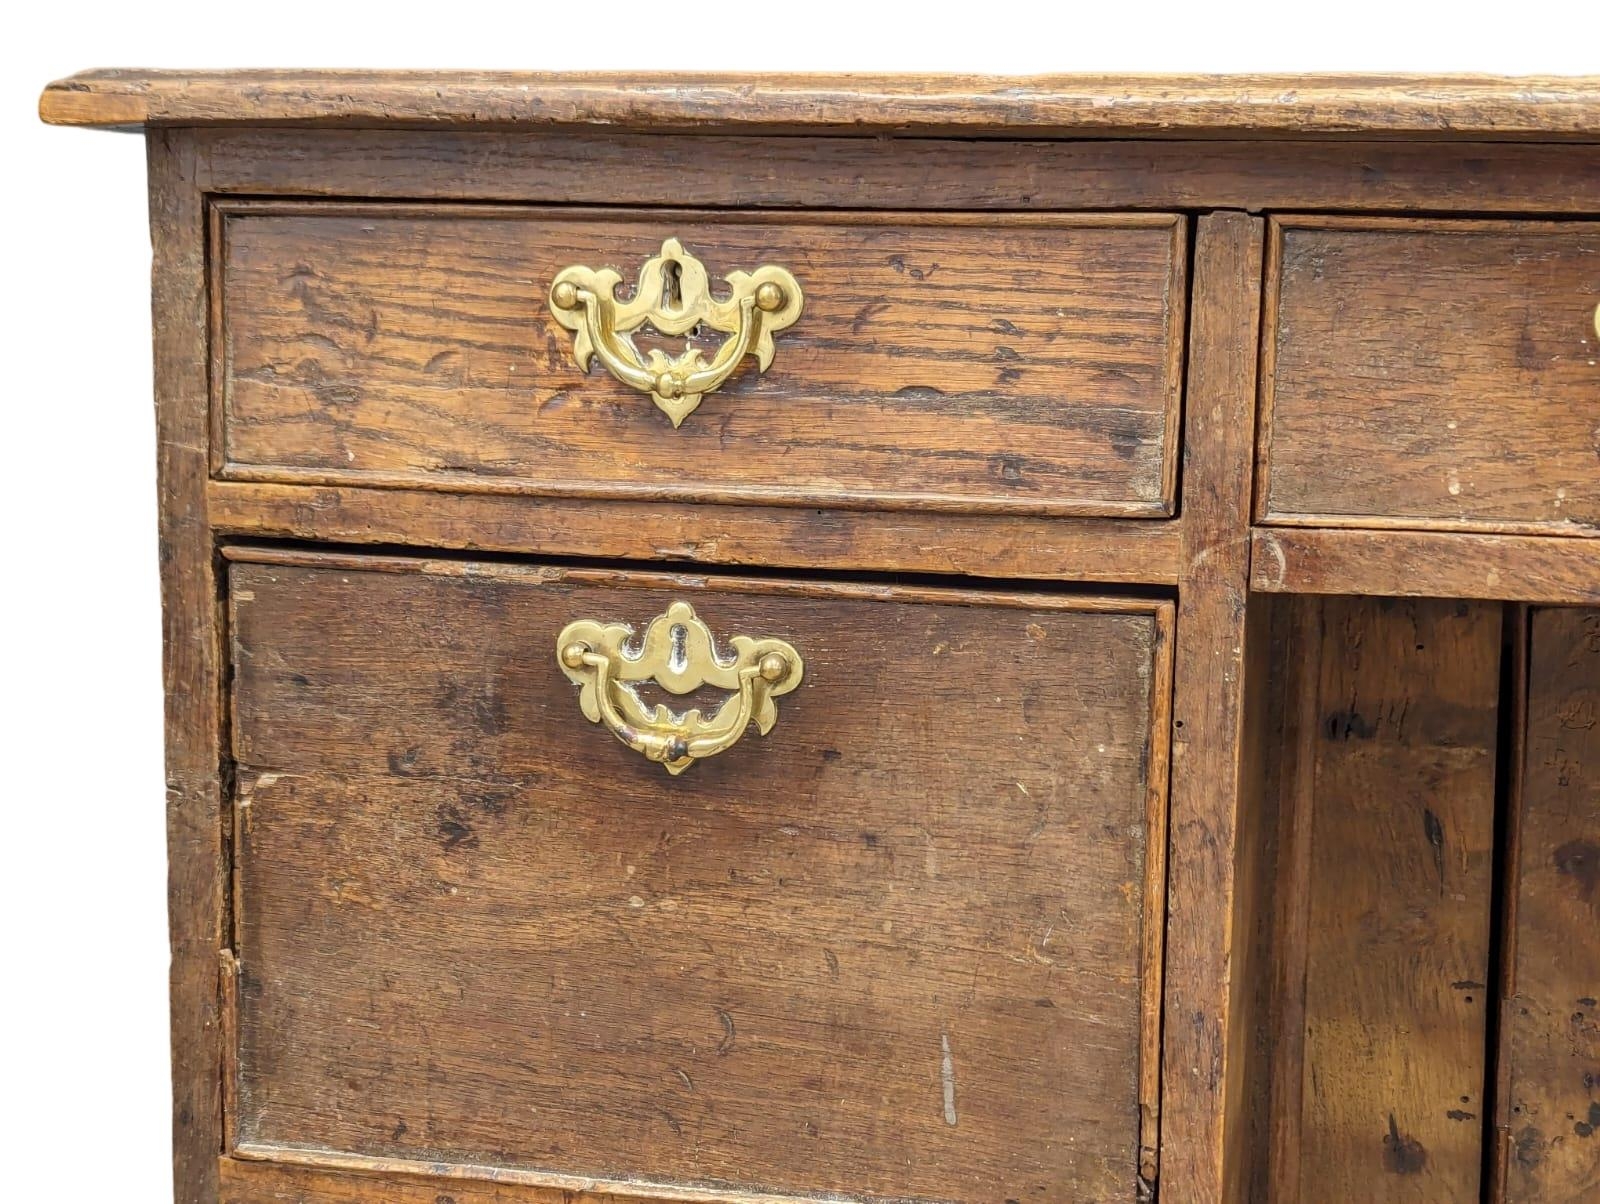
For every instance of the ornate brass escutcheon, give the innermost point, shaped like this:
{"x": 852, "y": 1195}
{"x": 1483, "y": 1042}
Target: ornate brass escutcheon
{"x": 673, "y": 295}
{"x": 678, "y": 654}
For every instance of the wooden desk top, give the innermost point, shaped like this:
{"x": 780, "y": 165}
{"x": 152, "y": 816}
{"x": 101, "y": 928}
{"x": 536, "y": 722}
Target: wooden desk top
{"x": 1416, "y": 106}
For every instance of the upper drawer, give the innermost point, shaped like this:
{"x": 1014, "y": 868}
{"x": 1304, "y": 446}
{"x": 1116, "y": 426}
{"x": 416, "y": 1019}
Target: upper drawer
{"x": 1433, "y": 374}
{"x": 1009, "y": 363}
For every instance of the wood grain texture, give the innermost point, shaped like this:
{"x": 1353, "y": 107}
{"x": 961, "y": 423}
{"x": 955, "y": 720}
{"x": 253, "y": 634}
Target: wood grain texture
{"x": 269, "y": 1175}
{"x": 192, "y": 666}
{"x": 895, "y": 947}
{"x": 1291, "y": 706}
{"x": 1549, "y": 1117}
{"x": 1385, "y": 913}
{"x": 1433, "y": 106}
{"x": 1425, "y": 564}
{"x": 610, "y": 167}
{"x": 247, "y": 1182}
{"x": 1204, "y": 1138}
{"x": 1441, "y": 373}
{"x": 1025, "y": 364}
{"x": 903, "y": 541}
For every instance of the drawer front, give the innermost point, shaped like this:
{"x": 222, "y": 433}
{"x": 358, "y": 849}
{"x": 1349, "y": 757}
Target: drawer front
{"x": 900, "y": 945}
{"x": 1026, "y": 363}
{"x": 1433, "y": 374}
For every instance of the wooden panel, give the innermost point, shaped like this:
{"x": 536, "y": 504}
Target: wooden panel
{"x": 1203, "y": 1133}
{"x": 1384, "y": 904}
{"x": 1550, "y": 1027}
{"x": 896, "y": 947}
{"x": 1027, "y": 364}
{"x": 1436, "y": 105}
{"x": 259, "y": 1174}
{"x": 192, "y": 665}
{"x": 1425, "y": 564}
{"x": 1291, "y": 707}
{"x": 610, "y": 167}
{"x": 978, "y": 545}
{"x": 246, "y": 1182}
{"x": 1446, "y": 374}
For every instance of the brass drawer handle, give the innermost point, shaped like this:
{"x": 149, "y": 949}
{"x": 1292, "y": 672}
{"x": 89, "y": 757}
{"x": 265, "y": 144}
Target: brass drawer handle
{"x": 673, "y": 295}
{"x": 677, "y": 654}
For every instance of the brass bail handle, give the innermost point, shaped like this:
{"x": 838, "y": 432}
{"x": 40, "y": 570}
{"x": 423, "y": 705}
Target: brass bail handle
{"x": 673, "y": 295}
{"x": 678, "y": 654}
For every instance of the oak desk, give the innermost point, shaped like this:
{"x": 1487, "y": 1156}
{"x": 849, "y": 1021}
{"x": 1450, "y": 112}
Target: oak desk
{"x": 755, "y": 639}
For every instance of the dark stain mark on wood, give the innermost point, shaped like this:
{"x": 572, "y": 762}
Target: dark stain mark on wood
{"x": 1402, "y": 1155}
{"x": 454, "y": 829}
{"x": 1435, "y": 833}
{"x": 1586, "y": 1128}
{"x": 1349, "y": 725}
{"x": 1529, "y": 1147}
{"x": 725, "y": 1046}
{"x": 865, "y": 314}
{"x": 1580, "y": 861}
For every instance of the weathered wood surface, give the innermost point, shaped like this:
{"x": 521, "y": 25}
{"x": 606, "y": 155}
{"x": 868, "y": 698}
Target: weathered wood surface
{"x": 1291, "y": 949}
{"x": 248, "y": 1182}
{"x": 1425, "y": 564}
{"x": 193, "y": 666}
{"x": 895, "y": 947}
{"x": 1444, "y": 373}
{"x": 1288, "y": 707}
{"x": 978, "y": 545}
{"x": 1549, "y": 1118}
{"x": 1384, "y": 912}
{"x": 1015, "y": 363}
{"x": 611, "y": 167}
{"x": 1427, "y": 105}
{"x": 268, "y": 1175}
{"x": 1204, "y": 1137}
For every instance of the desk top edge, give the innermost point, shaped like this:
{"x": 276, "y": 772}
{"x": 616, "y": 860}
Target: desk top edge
{"x": 1424, "y": 106}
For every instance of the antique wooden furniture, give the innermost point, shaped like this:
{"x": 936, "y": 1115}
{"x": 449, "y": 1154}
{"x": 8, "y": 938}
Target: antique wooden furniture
{"x": 746, "y": 640}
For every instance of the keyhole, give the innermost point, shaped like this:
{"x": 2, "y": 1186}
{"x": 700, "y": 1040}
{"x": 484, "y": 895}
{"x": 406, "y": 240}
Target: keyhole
{"x": 678, "y": 657}
{"x": 671, "y": 285}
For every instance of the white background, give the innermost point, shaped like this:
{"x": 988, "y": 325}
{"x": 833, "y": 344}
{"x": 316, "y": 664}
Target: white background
{"x": 83, "y": 1081}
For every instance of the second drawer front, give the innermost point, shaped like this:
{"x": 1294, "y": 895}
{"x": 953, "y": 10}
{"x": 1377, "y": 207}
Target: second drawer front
{"x": 901, "y": 945}
{"x": 1434, "y": 373}
{"x": 1018, "y": 363}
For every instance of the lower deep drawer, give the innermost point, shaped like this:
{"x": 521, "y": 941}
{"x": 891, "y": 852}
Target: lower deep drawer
{"x": 903, "y": 945}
